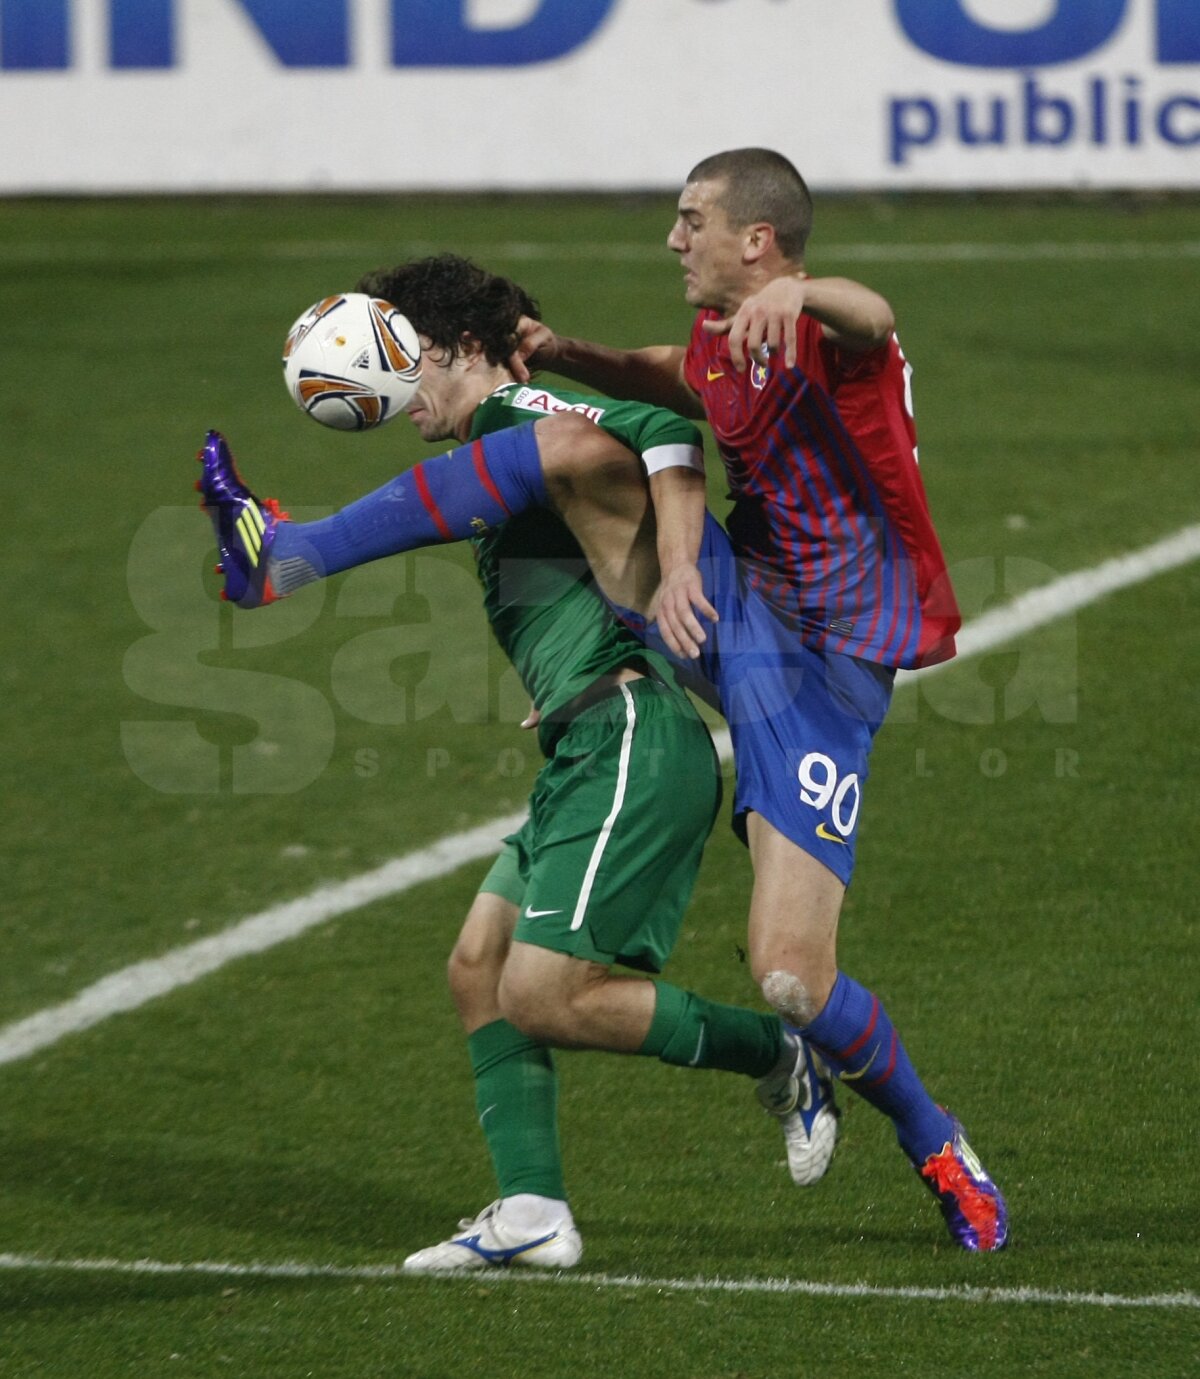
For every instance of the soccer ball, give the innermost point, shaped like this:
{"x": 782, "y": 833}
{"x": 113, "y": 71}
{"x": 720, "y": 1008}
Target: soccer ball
{"x": 352, "y": 362}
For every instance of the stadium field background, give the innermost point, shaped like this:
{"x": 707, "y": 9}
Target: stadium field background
{"x": 1024, "y": 901}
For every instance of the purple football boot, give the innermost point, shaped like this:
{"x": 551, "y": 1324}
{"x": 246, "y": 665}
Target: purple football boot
{"x": 971, "y": 1203}
{"x": 244, "y": 526}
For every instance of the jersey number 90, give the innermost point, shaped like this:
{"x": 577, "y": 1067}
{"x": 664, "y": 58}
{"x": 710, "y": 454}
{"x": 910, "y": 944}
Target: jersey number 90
{"x": 821, "y": 788}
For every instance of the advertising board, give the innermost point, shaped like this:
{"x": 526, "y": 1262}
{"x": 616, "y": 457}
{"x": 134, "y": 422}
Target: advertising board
{"x": 182, "y": 95}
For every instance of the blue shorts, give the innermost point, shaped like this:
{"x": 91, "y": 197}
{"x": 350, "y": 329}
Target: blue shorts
{"x": 801, "y": 720}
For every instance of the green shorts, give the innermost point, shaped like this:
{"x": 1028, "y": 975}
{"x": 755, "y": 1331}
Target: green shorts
{"x": 604, "y": 867}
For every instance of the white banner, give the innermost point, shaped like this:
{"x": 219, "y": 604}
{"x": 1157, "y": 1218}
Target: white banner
{"x": 187, "y": 95}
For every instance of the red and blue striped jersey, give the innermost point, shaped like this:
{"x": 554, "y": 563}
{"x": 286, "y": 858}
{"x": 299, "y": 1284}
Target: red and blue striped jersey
{"x": 830, "y": 514}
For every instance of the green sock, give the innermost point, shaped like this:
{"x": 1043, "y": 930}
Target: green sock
{"x": 516, "y": 1096}
{"x": 690, "y": 1032}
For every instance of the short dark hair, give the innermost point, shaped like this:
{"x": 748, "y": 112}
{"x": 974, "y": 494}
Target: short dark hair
{"x": 450, "y": 299}
{"x": 761, "y": 185}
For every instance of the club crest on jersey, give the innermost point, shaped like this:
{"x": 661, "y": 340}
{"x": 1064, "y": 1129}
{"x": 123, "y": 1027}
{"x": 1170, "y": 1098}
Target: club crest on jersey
{"x": 758, "y": 376}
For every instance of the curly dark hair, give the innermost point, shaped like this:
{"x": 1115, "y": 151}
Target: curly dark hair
{"x": 450, "y": 300}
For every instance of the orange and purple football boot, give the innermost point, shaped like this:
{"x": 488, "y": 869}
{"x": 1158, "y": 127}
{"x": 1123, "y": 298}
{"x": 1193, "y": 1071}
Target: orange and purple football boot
{"x": 244, "y": 526}
{"x": 974, "y": 1210}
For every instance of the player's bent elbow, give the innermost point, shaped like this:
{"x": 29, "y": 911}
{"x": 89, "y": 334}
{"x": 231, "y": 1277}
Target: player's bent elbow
{"x": 886, "y": 325}
{"x": 880, "y": 323}
{"x": 872, "y": 332}
{"x": 869, "y": 325}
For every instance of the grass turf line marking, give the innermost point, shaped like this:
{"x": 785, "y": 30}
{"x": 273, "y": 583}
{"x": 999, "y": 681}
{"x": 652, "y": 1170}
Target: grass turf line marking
{"x": 529, "y": 251}
{"x": 134, "y": 986}
{"x": 1068, "y": 594}
{"x": 383, "y": 1273}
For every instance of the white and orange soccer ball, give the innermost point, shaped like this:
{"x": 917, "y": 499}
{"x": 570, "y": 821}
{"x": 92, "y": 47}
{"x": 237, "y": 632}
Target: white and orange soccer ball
{"x": 352, "y": 362}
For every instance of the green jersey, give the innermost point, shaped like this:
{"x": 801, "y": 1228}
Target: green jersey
{"x": 539, "y": 595}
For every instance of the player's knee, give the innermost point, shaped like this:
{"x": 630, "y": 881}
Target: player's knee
{"x": 533, "y": 1016}
{"x": 580, "y": 460}
{"x": 566, "y": 442}
{"x": 791, "y": 996}
{"x": 537, "y": 1011}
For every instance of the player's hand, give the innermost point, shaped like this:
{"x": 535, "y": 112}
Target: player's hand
{"x": 680, "y": 596}
{"x": 764, "y": 323}
{"x": 532, "y": 718}
{"x": 537, "y": 347}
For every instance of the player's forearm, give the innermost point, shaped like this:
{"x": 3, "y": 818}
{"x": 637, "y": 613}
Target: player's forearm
{"x": 852, "y": 314}
{"x": 679, "y": 499}
{"x": 653, "y": 374}
{"x": 680, "y": 604}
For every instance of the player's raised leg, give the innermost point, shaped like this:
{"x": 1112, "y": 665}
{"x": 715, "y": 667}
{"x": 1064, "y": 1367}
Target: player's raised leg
{"x": 447, "y": 498}
{"x": 563, "y": 461}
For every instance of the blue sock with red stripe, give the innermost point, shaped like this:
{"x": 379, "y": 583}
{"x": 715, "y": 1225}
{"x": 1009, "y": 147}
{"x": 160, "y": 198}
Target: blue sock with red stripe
{"x": 447, "y": 498}
{"x": 855, "y": 1037}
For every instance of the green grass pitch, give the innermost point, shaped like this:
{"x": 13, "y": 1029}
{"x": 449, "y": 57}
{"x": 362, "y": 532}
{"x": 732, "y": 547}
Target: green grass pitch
{"x": 1024, "y": 901}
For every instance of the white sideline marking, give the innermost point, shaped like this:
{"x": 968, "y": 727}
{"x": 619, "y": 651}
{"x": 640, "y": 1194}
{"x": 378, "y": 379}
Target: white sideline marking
{"x": 203, "y": 251}
{"x": 1081, "y": 251}
{"x": 143, "y": 981}
{"x": 133, "y": 986}
{"x": 806, "y": 1287}
{"x": 1060, "y": 597}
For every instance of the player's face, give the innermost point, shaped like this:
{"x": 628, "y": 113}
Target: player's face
{"x": 709, "y": 248}
{"x": 443, "y": 406}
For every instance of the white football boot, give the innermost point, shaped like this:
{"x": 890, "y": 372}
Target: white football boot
{"x": 488, "y": 1241}
{"x": 798, "y": 1092}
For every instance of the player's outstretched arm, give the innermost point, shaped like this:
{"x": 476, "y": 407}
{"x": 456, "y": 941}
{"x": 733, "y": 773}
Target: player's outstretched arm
{"x": 852, "y": 316}
{"x": 653, "y": 374}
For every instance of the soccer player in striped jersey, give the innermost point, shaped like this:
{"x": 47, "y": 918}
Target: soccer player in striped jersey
{"x": 828, "y": 577}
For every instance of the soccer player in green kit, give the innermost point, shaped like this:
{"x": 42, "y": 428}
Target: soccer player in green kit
{"x": 603, "y": 869}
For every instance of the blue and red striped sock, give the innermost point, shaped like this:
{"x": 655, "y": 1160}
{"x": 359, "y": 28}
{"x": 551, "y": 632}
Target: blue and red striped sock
{"x": 447, "y": 498}
{"x": 858, "y": 1041}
